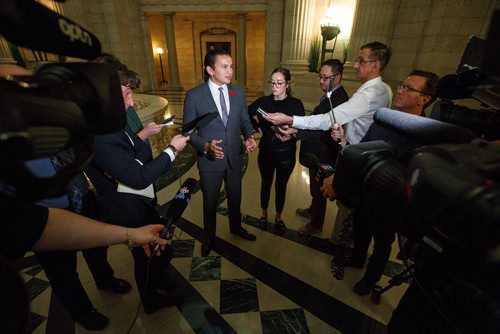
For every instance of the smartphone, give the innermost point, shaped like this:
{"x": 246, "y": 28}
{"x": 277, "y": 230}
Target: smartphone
{"x": 169, "y": 120}
{"x": 262, "y": 112}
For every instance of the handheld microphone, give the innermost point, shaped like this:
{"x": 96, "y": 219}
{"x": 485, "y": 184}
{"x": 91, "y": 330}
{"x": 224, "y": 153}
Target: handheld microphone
{"x": 322, "y": 170}
{"x": 29, "y": 24}
{"x": 199, "y": 123}
{"x": 177, "y": 206}
{"x": 328, "y": 96}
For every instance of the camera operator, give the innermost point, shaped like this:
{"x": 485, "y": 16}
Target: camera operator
{"x": 375, "y": 217}
{"x": 123, "y": 171}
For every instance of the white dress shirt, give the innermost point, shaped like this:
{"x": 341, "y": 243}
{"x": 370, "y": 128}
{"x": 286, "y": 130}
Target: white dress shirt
{"x": 214, "y": 89}
{"x": 357, "y": 113}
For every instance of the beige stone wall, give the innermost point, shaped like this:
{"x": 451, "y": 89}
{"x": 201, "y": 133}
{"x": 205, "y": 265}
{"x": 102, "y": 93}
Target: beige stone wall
{"x": 432, "y": 35}
{"x": 190, "y": 51}
{"x": 426, "y": 34}
{"x": 117, "y": 24}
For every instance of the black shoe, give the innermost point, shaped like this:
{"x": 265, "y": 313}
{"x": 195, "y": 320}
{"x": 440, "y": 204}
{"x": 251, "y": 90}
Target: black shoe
{"x": 280, "y": 227}
{"x": 206, "y": 248}
{"x": 117, "y": 285}
{"x": 93, "y": 321}
{"x": 263, "y": 223}
{"x": 363, "y": 287}
{"x": 244, "y": 234}
{"x": 164, "y": 300}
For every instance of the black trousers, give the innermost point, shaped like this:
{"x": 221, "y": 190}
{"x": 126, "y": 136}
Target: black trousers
{"x": 283, "y": 163}
{"x": 375, "y": 219}
{"x": 318, "y": 203}
{"x": 60, "y": 268}
{"x": 211, "y": 182}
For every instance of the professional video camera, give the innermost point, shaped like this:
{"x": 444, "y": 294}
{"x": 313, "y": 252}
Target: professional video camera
{"x": 61, "y": 106}
{"x": 444, "y": 185}
{"x": 477, "y": 77}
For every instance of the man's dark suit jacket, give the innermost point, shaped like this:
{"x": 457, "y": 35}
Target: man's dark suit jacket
{"x": 318, "y": 142}
{"x": 198, "y": 102}
{"x": 115, "y": 161}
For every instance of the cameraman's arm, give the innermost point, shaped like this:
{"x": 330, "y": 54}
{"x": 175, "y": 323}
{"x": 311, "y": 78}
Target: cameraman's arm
{"x": 66, "y": 230}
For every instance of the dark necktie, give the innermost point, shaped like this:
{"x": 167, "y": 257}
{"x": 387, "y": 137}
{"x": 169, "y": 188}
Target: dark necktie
{"x": 223, "y": 106}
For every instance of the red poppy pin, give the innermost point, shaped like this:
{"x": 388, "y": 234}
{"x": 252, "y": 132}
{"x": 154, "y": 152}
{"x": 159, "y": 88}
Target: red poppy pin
{"x": 232, "y": 92}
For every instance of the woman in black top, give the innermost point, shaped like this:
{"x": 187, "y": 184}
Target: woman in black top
{"x": 276, "y": 151}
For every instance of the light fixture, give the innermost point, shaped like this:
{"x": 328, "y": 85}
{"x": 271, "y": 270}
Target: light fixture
{"x": 159, "y": 51}
{"x": 329, "y": 31}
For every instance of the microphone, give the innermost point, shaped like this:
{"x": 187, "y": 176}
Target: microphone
{"x": 322, "y": 170}
{"x": 199, "y": 123}
{"x": 29, "y": 24}
{"x": 328, "y": 95}
{"x": 422, "y": 130}
{"x": 177, "y": 207}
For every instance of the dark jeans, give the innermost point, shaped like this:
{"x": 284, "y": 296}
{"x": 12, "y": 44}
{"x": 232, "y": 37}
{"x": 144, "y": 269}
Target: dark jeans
{"x": 283, "y": 163}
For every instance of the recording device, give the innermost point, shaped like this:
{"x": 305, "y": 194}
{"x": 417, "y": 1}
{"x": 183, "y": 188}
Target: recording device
{"x": 32, "y": 25}
{"x": 477, "y": 77}
{"x": 262, "y": 112}
{"x": 61, "y": 106}
{"x": 322, "y": 170}
{"x": 169, "y": 120}
{"x": 177, "y": 207}
{"x": 198, "y": 123}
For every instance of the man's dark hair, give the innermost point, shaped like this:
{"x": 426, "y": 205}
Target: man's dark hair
{"x": 430, "y": 84}
{"x": 380, "y": 52}
{"x": 210, "y": 60}
{"x": 335, "y": 64}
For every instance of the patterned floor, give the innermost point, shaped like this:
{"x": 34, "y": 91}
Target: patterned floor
{"x": 278, "y": 284}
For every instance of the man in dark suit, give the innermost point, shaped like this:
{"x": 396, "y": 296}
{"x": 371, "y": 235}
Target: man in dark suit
{"x": 321, "y": 144}
{"x": 123, "y": 171}
{"x": 219, "y": 143}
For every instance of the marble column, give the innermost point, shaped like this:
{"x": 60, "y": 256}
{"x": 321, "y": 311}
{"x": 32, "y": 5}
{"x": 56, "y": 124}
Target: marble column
{"x": 173, "y": 65}
{"x": 5, "y": 55}
{"x": 241, "y": 66}
{"x": 296, "y": 31}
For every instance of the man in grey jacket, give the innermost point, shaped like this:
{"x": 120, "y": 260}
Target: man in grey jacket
{"x": 219, "y": 143}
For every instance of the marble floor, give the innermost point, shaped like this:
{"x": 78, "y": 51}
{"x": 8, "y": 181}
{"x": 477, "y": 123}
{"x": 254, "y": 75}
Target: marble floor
{"x": 277, "y": 284}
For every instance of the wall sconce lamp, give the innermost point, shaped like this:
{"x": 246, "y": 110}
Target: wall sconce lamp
{"x": 159, "y": 51}
{"x": 329, "y": 31}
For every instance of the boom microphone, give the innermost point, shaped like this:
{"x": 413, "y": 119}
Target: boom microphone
{"x": 422, "y": 130}
{"x": 177, "y": 206}
{"x": 29, "y": 24}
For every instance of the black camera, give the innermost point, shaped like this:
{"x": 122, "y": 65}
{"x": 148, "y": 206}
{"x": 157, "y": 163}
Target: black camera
{"x": 61, "y": 106}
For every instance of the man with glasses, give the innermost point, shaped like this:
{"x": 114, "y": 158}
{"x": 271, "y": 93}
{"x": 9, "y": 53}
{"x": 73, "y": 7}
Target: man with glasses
{"x": 320, "y": 143}
{"x": 416, "y": 93}
{"x": 378, "y": 218}
{"x": 357, "y": 113}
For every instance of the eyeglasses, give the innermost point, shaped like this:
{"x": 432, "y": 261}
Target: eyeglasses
{"x": 408, "y": 89}
{"x": 363, "y": 61}
{"x": 276, "y": 83}
{"x": 331, "y": 77}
